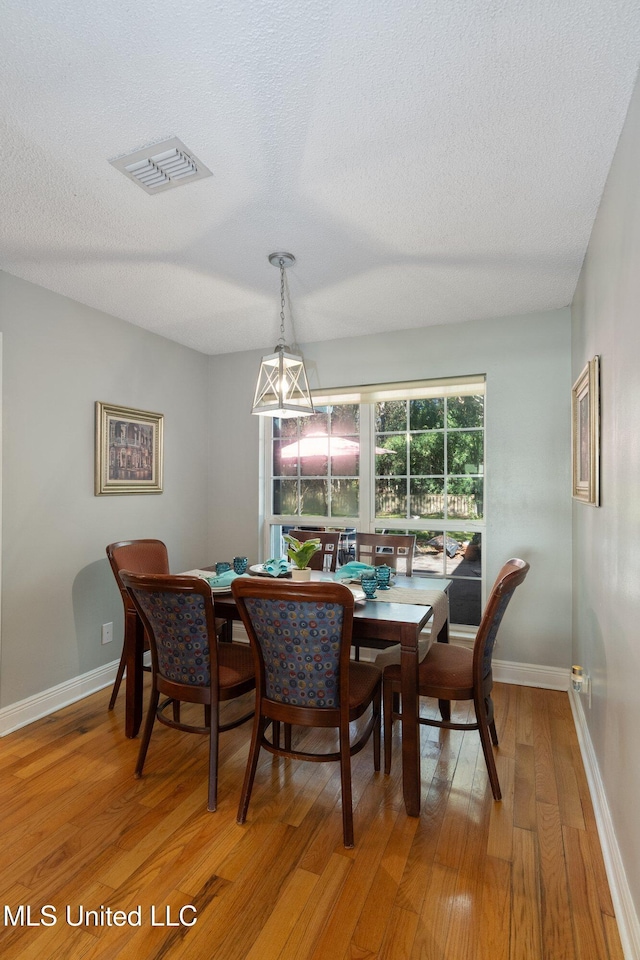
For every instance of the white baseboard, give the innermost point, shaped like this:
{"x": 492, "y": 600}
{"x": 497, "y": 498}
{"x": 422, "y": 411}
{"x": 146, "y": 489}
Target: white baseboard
{"x": 626, "y": 916}
{"x": 531, "y": 675}
{"x": 23, "y": 712}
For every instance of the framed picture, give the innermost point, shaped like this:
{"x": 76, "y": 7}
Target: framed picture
{"x": 128, "y": 450}
{"x": 585, "y": 434}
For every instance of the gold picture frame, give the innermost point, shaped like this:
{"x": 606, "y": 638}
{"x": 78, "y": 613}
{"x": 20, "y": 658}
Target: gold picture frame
{"x": 585, "y": 434}
{"x": 129, "y": 453}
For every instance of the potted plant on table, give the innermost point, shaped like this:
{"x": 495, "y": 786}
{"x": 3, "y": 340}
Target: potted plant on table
{"x": 300, "y": 552}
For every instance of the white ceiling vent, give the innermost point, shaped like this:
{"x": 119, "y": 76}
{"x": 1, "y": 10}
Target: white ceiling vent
{"x": 162, "y": 166}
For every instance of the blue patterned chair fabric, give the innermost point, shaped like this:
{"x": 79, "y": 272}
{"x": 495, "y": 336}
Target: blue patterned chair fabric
{"x": 180, "y": 630}
{"x": 300, "y": 646}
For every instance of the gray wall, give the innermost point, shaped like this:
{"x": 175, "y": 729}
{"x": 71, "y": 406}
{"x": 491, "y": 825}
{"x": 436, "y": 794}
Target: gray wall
{"x": 527, "y": 363}
{"x": 59, "y": 358}
{"x": 606, "y": 582}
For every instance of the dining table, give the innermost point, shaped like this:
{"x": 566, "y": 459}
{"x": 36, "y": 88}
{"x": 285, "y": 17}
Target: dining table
{"x": 399, "y": 620}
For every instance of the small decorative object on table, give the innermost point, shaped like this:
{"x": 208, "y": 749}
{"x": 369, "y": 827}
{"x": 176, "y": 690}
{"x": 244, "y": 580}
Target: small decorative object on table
{"x": 383, "y": 576}
{"x": 222, "y": 567}
{"x": 369, "y": 584}
{"x": 300, "y": 552}
{"x": 275, "y": 567}
{"x": 240, "y": 564}
{"x": 353, "y": 570}
{"x": 221, "y": 583}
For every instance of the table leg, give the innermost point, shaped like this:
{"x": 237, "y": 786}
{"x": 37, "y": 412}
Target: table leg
{"x": 444, "y": 705}
{"x": 410, "y": 727}
{"x": 134, "y": 647}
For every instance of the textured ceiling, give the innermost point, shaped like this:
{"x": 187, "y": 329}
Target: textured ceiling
{"x": 427, "y": 161}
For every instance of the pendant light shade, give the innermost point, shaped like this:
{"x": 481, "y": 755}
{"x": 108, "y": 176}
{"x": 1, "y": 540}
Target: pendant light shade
{"x": 282, "y": 389}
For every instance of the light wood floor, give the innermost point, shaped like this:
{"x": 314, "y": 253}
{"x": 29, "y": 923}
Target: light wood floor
{"x": 469, "y": 879}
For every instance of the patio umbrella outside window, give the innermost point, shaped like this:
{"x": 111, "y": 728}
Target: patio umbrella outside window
{"x": 321, "y": 445}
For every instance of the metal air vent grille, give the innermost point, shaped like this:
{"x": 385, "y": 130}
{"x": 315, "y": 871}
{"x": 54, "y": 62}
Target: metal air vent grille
{"x": 162, "y": 166}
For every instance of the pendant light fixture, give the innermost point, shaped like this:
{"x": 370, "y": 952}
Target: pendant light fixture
{"x": 282, "y": 389}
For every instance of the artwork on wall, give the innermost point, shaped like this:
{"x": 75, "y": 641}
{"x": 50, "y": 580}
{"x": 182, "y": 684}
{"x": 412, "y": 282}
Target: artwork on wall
{"x": 585, "y": 434}
{"x": 128, "y": 450}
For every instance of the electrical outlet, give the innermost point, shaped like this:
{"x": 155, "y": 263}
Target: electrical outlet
{"x": 107, "y": 632}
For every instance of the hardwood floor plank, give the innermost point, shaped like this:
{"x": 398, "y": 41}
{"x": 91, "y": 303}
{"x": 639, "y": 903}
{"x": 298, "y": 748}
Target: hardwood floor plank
{"x": 612, "y": 937}
{"x": 546, "y": 789}
{"x": 284, "y": 917}
{"x": 340, "y": 928}
{"x": 495, "y": 911}
{"x": 462, "y": 937}
{"x": 586, "y": 918}
{"x": 502, "y": 820}
{"x": 525, "y": 937}
{"x": 318, "y": 910}
{"x": 524, "y": 799}
{"x": 415, "y": 878}
{"x": 436, "y": 916}
{"x": 557, "y": 937}
{"x": 400, "y": 935}
{"x": 525, "y": 717}
{"x": 569, "y": 799}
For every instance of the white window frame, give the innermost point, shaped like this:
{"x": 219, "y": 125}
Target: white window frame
{"x": 366, "y": 521}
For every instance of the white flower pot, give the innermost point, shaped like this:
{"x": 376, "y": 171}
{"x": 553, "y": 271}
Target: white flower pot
{"x": 297, "y": 574}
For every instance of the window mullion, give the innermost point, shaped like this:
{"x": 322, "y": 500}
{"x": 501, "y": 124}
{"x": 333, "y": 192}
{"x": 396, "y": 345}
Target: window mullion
{"x": 367, "y": 499}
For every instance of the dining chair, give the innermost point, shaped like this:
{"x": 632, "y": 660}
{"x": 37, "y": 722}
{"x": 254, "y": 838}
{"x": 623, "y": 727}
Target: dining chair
{"x": 394, "y": 549}
{"x": 300, "y": 635}
{"x": 451, "y": 672}
{"x": 326, "y": 558}
{"x": 138, "y": 556}
{"x": 188, "y": 665}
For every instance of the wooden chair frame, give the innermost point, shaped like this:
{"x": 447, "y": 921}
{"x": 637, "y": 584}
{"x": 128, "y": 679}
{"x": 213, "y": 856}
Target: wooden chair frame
{"x": 274, "y": 712}
{"x": 379, "y": 548}
{"x": 330, "y": 542}
{"x": 139, "y": 556}
{"x": 392, "y": 547}
{"x": 457, "y": 660}
{"x": 210, "y": 696}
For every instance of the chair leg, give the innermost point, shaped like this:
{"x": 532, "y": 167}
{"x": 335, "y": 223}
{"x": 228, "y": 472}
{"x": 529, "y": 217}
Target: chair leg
{"x": 345, "y": 778}
{"x": 388, "y": 696}
{"x": 118, "y": 680}
{"x": 275, "y": 733}
{"x": 487, "y": 749}
{"x": 377, "y": 718}
{"x": 492, "y": 724}
{"x": 148, "y": 727}
{"x": 257, "y": 733}
{"x": 176, "y": 711}
{"x": 214, "y": 727}
{"x": 445, "y": 709}
{"x": 493, "y": 732}
{"x": 287, "y": 736}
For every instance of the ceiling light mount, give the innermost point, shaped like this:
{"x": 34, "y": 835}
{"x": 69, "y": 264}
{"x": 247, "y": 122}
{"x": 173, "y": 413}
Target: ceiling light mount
{"x": 282, "y": 389}
{"x": 287, "y": 259}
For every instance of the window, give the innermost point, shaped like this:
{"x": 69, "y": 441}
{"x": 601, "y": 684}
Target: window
{"x": 398, "y": 458}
